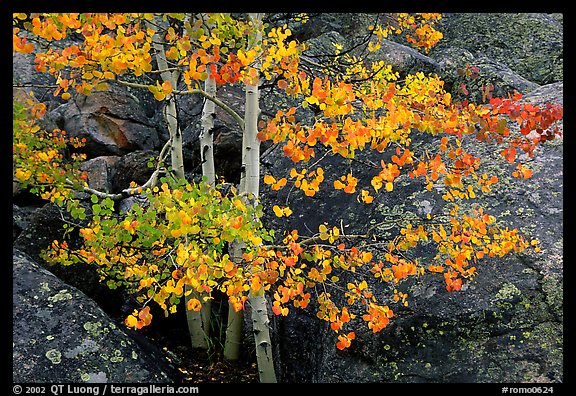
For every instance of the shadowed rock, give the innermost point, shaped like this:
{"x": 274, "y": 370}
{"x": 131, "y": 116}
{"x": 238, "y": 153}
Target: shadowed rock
{"x": 60, "y": 335}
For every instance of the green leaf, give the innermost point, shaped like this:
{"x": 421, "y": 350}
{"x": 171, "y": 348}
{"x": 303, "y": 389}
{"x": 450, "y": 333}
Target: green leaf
{"x": 94, "y": 198}
{"x": 96, "y": 209}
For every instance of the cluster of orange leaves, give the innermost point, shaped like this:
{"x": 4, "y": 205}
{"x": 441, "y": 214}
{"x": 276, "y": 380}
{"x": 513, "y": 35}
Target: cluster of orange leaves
{"x": 118, "y": 44}
{"x": 306, "y": 265}
{"x": 420, "y": 104}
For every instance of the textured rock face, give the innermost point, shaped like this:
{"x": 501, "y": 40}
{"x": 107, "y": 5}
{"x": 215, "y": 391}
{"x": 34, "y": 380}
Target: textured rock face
{"x": 112, "y": 122}
{"x": 528, "y": 43}
{"x": 60, "y": 335}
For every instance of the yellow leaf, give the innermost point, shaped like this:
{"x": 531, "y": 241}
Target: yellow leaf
{"x": 277, "y": 211}
{"x": 23, "y": 175}
{"x": 312, "y": 100}
{"x": 471, "y": 192}
{"x": 376, "y": 183}
{"x": 98, "y": 87}
{"x": 159, "y": 96}
{"x": 215, "y": 41}
{"x": 131, "y": 321}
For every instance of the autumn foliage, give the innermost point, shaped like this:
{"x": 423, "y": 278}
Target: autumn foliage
{"x": 180, "y": 237}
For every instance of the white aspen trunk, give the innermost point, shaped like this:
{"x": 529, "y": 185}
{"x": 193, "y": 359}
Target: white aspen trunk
{"x": 260, "y": 320}
{"x": 176, "y": 136}
{"x": 198, "y": 322}
{"x": 235, "y": 319}
{"x": 206, "y": 135}
{"x": 251, "y": 168}
{"x": 170, "y": 114}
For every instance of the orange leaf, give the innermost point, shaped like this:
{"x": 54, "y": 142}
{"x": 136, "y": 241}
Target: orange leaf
{"x": 269, "y": 179}
{"x": 289, "y": 261}
{"x": 229, "y": 266}
{"x": 194, "y": 305}
{"x": 261, "y": 136}
{"x": 338, "y": 185}
{"x": 237, "y": 222}
{"x": 277, "y": 309}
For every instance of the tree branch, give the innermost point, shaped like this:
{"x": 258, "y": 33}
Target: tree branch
{"x": 151, "y": 182}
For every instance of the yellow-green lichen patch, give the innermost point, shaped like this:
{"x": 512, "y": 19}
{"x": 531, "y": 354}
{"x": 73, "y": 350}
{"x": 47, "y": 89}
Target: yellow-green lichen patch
{"x": 553, "y": 287}
{"x": 117, "y": 356}
{"x": 508, "y": 292}
{"x": 54, "y": 355}
{"x": 95, "y": 329}
{"x": 62, "y": 295}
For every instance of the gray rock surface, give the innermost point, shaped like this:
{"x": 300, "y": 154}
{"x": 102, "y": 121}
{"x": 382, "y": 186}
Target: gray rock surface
{"x": 530, "y": 44}
{"x": 46, "y": 224}
{"x": 60, "y": 335}
{"x": 112, "y": 122}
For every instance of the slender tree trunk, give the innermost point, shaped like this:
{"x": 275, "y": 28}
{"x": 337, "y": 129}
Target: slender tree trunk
{"x": 198, "y": 322}
{"x": 235, "y": 319}
{"x": 206, "y": 135}
{"x": 260, "y": 320}
{"x": 251, "y": 166}
{"x": 170, "y": 114}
